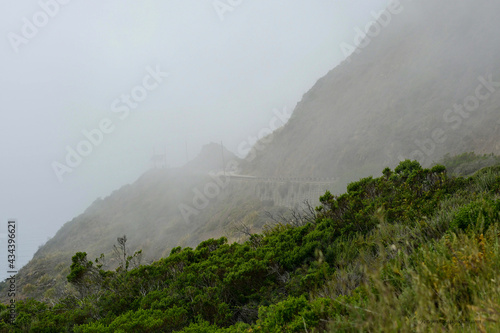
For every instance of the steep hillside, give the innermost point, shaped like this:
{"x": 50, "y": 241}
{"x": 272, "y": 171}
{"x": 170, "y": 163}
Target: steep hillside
{"x": 412, "y": 251}
{"x": 163, "y": 209}
{"x": 395, "y": 98}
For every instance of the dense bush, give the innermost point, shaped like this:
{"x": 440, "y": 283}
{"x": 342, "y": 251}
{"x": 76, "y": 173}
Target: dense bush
{"x": 481, "y": 213}
{"x": 413, "y": 250}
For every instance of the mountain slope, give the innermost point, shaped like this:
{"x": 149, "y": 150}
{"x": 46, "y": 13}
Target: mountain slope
{"x": 163, "y": 209}
{"x": 391, "y": 99}
{"x": 387, "y": 102}
{"x": 412, "y": 251}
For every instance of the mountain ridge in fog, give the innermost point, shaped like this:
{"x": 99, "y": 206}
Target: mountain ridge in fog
{"x": 386, "y": 103}
{"x": 393, "y": 99}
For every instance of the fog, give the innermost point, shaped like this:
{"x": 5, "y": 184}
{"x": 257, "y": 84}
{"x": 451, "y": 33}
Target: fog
{"x": 193, "y": 75}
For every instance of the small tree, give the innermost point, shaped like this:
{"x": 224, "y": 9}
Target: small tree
{"x": 84, "y": 276}
{"x": 120, "y": 252}
{"x": 121, "y": 255}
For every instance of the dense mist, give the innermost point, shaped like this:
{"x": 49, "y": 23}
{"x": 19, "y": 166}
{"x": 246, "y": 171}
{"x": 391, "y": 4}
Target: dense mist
{"x": 135, "y": 79}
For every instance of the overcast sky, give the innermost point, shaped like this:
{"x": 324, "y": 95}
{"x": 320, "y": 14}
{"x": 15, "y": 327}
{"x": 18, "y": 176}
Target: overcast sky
{"x": 227, "y": 72}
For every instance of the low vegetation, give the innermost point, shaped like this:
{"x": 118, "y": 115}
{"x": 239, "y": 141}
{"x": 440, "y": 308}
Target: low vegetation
{"x": 416, "y": 250}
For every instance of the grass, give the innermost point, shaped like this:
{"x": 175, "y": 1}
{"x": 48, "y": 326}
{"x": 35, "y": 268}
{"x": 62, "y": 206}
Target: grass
{"x": 425, "y": 278}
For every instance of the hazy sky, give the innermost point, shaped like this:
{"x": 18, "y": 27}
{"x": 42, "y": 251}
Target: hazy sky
{"x": 227, "y": 72}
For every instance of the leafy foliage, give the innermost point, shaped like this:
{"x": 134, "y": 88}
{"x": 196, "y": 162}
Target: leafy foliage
{"x": 412, "y": 250}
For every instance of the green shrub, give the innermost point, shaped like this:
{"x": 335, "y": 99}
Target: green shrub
{"x": 411, "y": 245}
{"x": 481, "y": 213}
